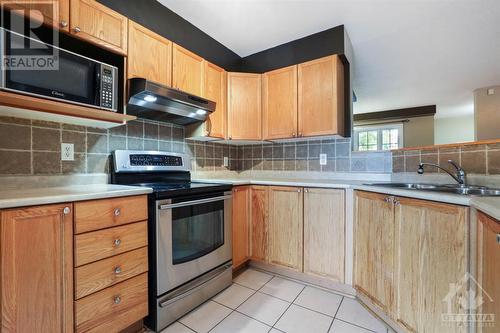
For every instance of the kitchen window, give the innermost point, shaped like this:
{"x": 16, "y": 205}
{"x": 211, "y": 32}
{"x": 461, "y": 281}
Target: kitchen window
{"x": 378, "y": 137}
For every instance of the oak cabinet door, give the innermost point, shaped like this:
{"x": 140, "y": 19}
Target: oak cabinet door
{"x": 96, "y": 23}
{"x": 54, "y": 13}
{"x": 240, "y": 224}
{"x": 324, "y": 236}
{"x": 374, "y": 248}
{"x": 286, "y": 226}
{"x": 488, "y": 269}
{"x": 431, "y": 254}
{"x": 321, "y": 97}
{"x": 149, "y": 55}
{"x": 259, "y": 223}
{"x": 37, "y": 269}
{"x": 279, "y": 97}
{"x": 244, "y": 106}
{"x": 215, "y": 90}
{"x": 188, "y": 71}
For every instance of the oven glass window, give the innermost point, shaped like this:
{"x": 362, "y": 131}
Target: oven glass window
{"x": 197, "y": 230}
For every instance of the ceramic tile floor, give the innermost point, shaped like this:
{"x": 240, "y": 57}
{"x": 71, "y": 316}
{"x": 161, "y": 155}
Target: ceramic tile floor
{"x": 261, "y": 302}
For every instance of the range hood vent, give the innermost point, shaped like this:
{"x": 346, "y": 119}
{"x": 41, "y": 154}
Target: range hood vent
{"x": 154, "y": 101}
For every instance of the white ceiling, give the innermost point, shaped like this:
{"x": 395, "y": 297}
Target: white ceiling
{"x": 406, "y": 52}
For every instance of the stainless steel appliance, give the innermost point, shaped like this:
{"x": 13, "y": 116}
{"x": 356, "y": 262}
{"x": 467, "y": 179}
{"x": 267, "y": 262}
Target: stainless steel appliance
{"x": 31, "y": 67}
{"x": 154, "y": 101}
{"x": 189, "y": 232}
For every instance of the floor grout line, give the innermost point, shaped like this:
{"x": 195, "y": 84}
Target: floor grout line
{"x": 353, "y": 324}
{"x": 288, "y": 307}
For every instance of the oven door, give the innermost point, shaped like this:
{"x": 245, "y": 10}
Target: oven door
{"x": 193, "y": 237}
{"x": 75, "y": 79}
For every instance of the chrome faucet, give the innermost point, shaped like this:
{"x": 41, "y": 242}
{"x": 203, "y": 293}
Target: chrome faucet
{"x": 460, "y": 177}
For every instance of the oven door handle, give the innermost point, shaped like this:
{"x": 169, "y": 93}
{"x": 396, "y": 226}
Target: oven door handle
{"x": 194, "y": 202}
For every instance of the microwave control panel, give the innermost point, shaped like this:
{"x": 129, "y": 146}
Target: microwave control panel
{"x": 108, "y": 91}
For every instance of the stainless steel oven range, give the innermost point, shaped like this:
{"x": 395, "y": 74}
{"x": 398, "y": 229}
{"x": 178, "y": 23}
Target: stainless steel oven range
{"x": 189, "y": 232}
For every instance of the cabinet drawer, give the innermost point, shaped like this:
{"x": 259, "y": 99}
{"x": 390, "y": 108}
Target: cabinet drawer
{"x": 114, "y": 308}
{"x": 97, "y": 245}
{"x": 105, "y": 213}
{"x": 107, "y": 272}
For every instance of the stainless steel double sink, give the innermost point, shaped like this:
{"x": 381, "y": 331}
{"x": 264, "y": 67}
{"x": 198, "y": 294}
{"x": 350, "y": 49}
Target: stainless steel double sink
{"x": 451, "y": 189}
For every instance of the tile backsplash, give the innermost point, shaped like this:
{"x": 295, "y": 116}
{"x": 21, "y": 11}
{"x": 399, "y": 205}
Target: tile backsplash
{"x": 31, "y": 147}
{"x": 475, "y": 158}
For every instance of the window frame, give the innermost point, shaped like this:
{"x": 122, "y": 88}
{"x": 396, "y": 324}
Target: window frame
{"x": 379, "y": 128}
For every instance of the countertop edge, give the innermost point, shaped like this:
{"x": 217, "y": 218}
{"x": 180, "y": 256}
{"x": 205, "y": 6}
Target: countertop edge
{"x": 123, "y": 191}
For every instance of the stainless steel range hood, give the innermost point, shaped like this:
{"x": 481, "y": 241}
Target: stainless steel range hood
{"x": 157, "y": 102}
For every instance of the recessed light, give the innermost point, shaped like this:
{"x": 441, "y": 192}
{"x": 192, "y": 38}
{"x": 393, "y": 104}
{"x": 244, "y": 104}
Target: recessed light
{"x": 150, "y": 98}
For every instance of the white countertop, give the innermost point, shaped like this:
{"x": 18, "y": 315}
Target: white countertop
{"x": 48, "y": 195}
{"x": 489, "y": 205}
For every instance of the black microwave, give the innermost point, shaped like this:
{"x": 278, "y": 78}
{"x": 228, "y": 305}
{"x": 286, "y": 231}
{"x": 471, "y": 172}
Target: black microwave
{"x": 30, "y": 66}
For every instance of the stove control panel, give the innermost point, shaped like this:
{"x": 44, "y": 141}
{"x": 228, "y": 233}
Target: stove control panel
{"x": 155, "y": 160}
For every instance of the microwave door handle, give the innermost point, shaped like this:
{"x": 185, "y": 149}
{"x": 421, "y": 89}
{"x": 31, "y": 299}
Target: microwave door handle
{"x": 97, "y": 85}
{"x": 194, "y": 202}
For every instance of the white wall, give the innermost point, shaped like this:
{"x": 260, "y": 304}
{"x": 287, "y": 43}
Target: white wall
{"x": 454, "y": 129}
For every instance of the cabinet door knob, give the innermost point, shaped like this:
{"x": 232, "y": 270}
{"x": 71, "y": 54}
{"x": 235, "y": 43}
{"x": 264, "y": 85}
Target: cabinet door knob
{"x": 117, "y": 212}
{"x": 300, "y": 133}
{"x": 306, "y": 190}
{"x": 64, "y": 23}
{"x": 77, "y": 29}
{"x": 299, "y": 190}
{"x": 66, "y": 210}
{"x": 293, "y": 134}
{"x": 397, "y": 203}
{"x": 117, "y": 242}
{"x": 117, "y": 300}
{"x": 118, "y": 270}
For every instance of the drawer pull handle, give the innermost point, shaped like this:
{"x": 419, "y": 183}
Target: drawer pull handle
{"x": 118, "y": 270}
{"x": 117, "y": 212}
{"x": 117, "y": 300}
{"x": 117, "y": 242}
{"x": 77, "y": 29}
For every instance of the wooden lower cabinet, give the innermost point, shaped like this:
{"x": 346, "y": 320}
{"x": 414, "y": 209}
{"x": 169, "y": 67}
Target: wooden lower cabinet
{"x": 324, "y": 233}
{"x": 286, "y": 227}
{"x": 259, "y": 223}
{"x": 374, "y": 248}
{"x": 488, "y": 269}
{"x": 37, "y": 269}
{"x": 432, "y": 254}
{"x": 240, "y": 224}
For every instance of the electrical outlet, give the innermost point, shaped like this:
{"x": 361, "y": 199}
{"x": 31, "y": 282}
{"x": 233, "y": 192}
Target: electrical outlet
{"x": 322, "y": 159}
{"x": 67, "y": 152}
{"x": 226, "y": 161}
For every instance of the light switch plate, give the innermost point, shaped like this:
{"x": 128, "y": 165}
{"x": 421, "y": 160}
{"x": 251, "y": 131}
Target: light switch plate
{"x": 491, "y": 91}
{"x": 226, "y": 161}
{"x": 322, "y": 159}
{"x": 67, "y": 152}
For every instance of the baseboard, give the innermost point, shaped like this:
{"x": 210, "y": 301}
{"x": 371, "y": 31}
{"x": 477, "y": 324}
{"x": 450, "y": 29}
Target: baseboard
{"x": 337, "y": 287}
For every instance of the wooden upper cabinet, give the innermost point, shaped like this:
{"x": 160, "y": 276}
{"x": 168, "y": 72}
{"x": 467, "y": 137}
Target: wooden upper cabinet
{"x": 215, "y": 90}
{"x": 488, "y": 268}
{"x": 188, "y": 71}
{"x": 54, "y": 13}
{"x": 285, "y": 227}
{"x": 259, "y": 223}
{"x": 324, "y": 235}
{"x": 37, "y": 269}
{"x": 431, "y": 255}
{"x": 240, "y": 224}
{"x": 244, "y": 106}
{"x": 374, "y": 248}
{"x": 321, "y": 97}
{"x": 149, "y": 55}
{"x": 96, "y": 23}
{"x": 279, "y": 103}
